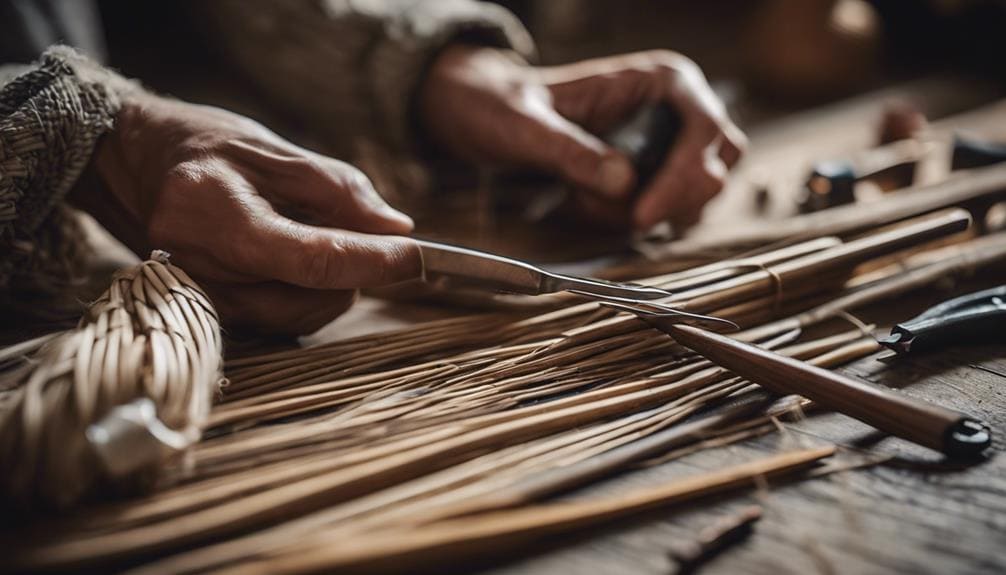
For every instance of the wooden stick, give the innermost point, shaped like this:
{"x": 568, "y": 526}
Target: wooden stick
{"x": 982, "y": 185}
{"x": 939, "y": 428}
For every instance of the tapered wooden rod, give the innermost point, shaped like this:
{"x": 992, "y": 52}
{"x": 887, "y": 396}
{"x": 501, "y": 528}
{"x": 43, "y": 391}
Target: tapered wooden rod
{"x": 933, "y": 426}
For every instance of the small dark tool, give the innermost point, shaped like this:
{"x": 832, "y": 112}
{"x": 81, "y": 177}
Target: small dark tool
{"x": 980, "y": 315}
{"x": 646, "y": 138}
{"x": 950, "y": 432}
{"x": 833, "y": 183}
{"x": 830, "y": 184}
{"x": 970, "y": 153}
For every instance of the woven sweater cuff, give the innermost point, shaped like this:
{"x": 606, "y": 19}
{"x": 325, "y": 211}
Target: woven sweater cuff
{"x": 51, "y": 117}
{"x": 50, "y": 120}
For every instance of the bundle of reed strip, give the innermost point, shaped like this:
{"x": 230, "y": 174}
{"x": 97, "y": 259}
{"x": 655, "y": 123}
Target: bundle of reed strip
{"x": 99, "y": 408}
{"x": 417, "y": 431}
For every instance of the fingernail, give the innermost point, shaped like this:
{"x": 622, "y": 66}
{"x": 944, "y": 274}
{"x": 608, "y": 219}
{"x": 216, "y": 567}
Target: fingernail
{"x": 615, "y": 176}
{"x": 395, "y": 215}
{"x": 644, "y": 217}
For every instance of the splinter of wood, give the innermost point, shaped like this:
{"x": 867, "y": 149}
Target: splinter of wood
{"x": 715, "y": 539}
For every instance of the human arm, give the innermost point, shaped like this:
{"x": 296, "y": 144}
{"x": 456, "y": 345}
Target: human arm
{"x": 279, "y": 236}
{"x": 486, "y": 105}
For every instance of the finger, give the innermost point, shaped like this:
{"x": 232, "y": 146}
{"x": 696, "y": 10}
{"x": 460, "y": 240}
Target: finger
{"x": 679, "y": 190}
{"x": 337, "y": 193}
{"x": 733, "y": 145}
{"x": 323, "y": 258}
{"x": 555, "y": 144}
{"x": 602, "y": 212}
{"x": 344, "y": 197}
{"x": 277, "y": 308}
{"x": 682, "y": 182}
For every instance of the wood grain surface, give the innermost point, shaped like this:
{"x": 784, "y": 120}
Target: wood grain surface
{"x": 913, "y": 514}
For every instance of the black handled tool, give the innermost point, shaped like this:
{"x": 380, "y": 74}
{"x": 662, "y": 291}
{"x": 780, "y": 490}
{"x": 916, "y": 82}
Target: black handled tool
{"x": 833, "y": 183}
{"x": 980, "y": 315}
{"x": 971, "y": 153}
{"x": 646, "y": 138}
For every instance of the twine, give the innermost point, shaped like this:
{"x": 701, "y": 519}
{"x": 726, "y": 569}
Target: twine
{"x": 99, "y": 408}
{"x": 778, "y": 297}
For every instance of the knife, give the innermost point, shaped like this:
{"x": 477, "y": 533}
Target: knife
{"x": 454, "y": 267}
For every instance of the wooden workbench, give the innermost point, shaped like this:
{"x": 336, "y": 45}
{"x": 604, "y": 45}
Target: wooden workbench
{"x": 912, "y": 515}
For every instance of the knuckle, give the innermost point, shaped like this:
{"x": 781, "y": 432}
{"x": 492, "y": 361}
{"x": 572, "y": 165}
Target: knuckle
{"x": 398, "y": 261}
{"x": 670, "y": 63}
{"x": 322, "y": 263}
{"x": 739, "y": 141}
{"x": 712, "y": 182}
{"x": 185, "y": 176}
{"x": 349, "y": 178}
{"x": 311, "y": 167}
{"x": 357, "y": 181}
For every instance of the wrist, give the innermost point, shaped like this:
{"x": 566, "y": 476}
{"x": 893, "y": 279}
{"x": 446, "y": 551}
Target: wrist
{"x": 464, "y": 83}
{"x": 110, "y": 189}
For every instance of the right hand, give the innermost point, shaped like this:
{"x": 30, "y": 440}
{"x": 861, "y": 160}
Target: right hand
{"x": 484, "y": 105}
{"x": 209, "y": 186}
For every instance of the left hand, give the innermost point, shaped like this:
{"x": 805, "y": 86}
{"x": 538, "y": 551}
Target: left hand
{"x": 279, "y": 237}
{"x": 486, "y": 105}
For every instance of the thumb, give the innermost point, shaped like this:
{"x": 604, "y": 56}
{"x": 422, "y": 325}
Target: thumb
{"x": 558, "y": 145}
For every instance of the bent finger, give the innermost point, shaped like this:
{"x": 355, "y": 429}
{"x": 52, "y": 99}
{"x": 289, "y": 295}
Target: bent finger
{"x": 555, "y": 144}
{"x": 335, "y": 192}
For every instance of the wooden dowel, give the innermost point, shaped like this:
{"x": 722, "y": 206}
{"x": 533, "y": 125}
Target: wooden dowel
{"x": 981, "y": 185}
{"x": 933, "y": 426}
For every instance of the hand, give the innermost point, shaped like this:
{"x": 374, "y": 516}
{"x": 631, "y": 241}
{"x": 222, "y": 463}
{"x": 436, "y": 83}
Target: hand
{"x": 486, "y": 105}
{"x": 218, "y": 192}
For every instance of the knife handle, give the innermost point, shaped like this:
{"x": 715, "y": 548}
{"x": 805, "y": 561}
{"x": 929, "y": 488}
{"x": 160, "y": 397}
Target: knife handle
{"x": 448, "y": 266}
{"x": 971, "y": 317}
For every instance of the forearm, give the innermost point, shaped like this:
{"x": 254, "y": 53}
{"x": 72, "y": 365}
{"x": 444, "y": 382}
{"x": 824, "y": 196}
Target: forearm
{"x": 355, "y": 71}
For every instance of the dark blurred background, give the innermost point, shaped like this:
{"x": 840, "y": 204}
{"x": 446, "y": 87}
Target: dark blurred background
{"x": 765, "y": 57}
{"x": 808, "y": 80}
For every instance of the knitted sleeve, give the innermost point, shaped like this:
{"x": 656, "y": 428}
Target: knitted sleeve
{"x": 51, "y": 116}
{"x": 351, "y": 68}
